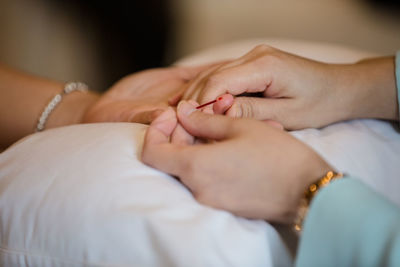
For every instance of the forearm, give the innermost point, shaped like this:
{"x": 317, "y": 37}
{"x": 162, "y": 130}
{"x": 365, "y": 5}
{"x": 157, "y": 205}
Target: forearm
{"x": 367, "y": 89}
{"x": 23, "y": 98}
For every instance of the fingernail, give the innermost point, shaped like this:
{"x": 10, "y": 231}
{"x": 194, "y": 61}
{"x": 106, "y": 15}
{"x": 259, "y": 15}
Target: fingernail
{"x": 185, "y": 108}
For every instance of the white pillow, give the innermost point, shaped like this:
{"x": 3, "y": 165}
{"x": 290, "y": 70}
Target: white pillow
{"x": 79, "y": 196}
{"x": 368, "y": 150}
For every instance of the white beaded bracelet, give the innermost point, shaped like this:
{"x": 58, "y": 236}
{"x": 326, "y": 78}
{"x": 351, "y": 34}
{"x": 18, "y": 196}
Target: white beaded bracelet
{"x": 68, "y": 88}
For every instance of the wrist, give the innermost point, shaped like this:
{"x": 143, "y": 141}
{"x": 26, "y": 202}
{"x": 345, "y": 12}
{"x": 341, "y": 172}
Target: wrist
{"x": 72, "y": 109}
{"x": 308, "y": 196}
{"x": 366, "y": 89}
{"x": 314, "y": 169}
{"x": 318, "y": 174}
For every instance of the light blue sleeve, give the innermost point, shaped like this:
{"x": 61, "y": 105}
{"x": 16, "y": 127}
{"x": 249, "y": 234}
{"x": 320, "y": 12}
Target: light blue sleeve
{"x": 350, "y": 225}
{"x": 397, "y": 65}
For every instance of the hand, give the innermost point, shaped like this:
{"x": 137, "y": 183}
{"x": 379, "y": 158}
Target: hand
{"x": 142, "y": 96}
{"x": 298, "y": 92}
{"x": 252, "y": 170}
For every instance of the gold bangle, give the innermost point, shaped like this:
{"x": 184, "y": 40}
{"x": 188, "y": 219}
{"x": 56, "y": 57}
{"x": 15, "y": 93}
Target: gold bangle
{"x": 308, "y": 196}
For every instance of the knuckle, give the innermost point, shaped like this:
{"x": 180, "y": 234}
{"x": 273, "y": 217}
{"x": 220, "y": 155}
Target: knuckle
{"x": 235, "y": 111}
{"x": 247, "y": 108}
{"x": 269, "y": 60}
{"x": 263, "y": 48}
{"x": 214, "y": 80}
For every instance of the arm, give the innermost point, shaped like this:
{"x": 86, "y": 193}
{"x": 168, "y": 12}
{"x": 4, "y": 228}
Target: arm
{"x": 23, "y": 98}
{"x": 350, "y": 225}
{"x": 298, "y": 92}
{"x": 370, "y": 86}
{"x": 135, "y": 98}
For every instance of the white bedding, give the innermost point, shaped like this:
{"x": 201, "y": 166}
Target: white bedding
{"x": 79, "y": 196}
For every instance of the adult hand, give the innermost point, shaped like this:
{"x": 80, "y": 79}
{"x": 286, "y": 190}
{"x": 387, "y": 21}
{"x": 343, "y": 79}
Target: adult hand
{"x": 299, "y": 92}
{"x": 142, "y": 96}
{"x": 252, "y": 169}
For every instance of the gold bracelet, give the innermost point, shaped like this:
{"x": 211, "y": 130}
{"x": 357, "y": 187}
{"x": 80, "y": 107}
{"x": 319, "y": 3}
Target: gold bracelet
{"x": 308, "y": 196}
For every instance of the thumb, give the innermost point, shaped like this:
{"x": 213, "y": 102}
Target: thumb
{"x": 162, "y": 127}
{"x": 224, "y": 102}
{"x": 259, "y": 108}
{"x": 204, "y": 125}
{"x": 157, "y": 150}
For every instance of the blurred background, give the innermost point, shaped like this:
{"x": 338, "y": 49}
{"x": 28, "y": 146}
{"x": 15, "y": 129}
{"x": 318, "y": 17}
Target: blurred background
{"x": 100, "y": 41}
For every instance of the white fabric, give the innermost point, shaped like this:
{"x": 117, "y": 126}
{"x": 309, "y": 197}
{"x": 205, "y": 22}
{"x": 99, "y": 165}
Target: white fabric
{"x": 79, "y": 196}
{"x": 368, "y": 150}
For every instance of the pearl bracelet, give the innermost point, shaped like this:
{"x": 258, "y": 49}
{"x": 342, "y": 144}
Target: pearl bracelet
{"x": 68, "y": 88}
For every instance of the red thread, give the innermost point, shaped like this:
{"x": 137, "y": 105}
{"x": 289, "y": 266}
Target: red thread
{"x": 206, "y": 104}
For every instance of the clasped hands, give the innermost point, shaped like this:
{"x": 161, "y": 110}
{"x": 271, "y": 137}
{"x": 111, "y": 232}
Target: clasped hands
{"x": 250, "y": 168}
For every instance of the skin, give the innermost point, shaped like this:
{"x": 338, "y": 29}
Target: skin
{"x": 250, "y": 168}
{"x": 264, "y": 181}
{"x": 298, "y": 92}
{"x": 142, "y": 96}
{"x": 23, "y": 98}
{"x": 136, "y": 98}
